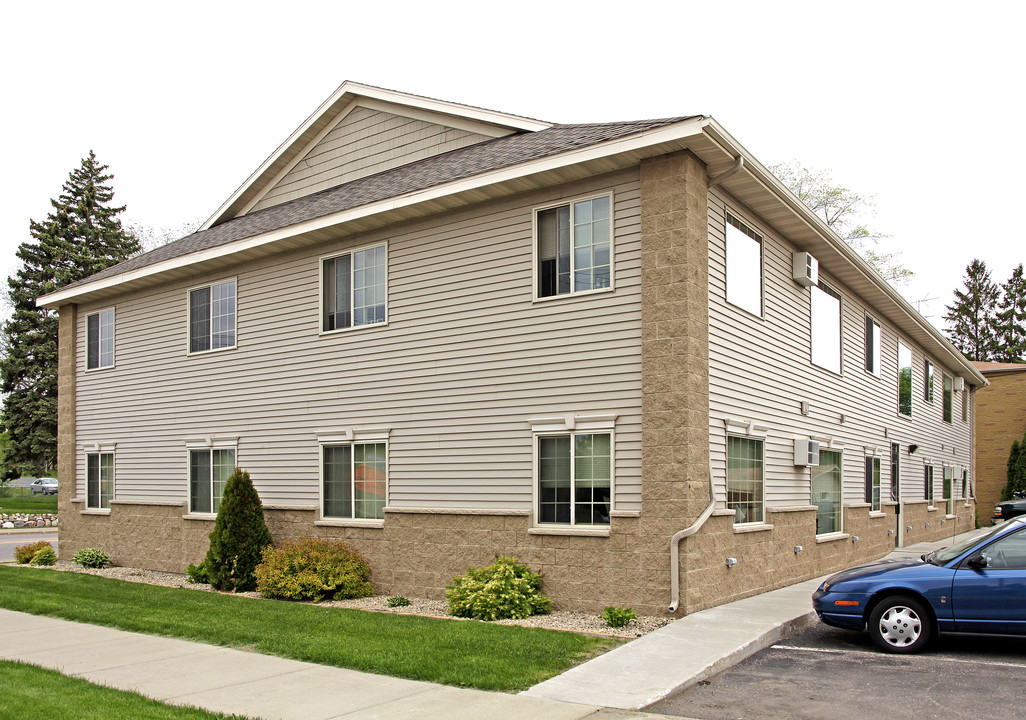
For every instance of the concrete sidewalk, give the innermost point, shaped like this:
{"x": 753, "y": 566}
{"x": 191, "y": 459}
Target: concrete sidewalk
{"x": 610, "y": 687}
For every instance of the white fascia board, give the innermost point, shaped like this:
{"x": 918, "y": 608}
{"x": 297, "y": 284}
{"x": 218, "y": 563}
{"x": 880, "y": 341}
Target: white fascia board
{"x": 486, "y": 116}
{"x": 677, "y": 131}
{"x": 769, "y": 181}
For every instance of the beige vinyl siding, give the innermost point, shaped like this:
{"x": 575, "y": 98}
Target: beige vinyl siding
{"x": 363, "y": 143}
{"x": 761, "y": 370}
{"x": 465, "y": 359}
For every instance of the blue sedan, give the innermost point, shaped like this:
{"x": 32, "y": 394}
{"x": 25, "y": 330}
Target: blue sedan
{"x": 976, "y": 586}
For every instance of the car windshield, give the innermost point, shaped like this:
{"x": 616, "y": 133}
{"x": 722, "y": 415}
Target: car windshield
{"x": 947, "y": 554}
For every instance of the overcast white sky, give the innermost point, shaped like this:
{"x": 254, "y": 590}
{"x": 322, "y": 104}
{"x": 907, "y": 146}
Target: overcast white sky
{"x": 918, "y": 103}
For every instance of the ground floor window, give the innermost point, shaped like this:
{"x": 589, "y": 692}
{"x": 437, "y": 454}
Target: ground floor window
{"x": 745, "y": 480}
{"x": 873, "y": 483}
{"x": 354, "y": 481}
{"x": 949, "y": 495}
{"x": 209, "y": 470}
{"x": 575, "y": 478}
{"x": 928, "y": 483}
{"x": 826, "y": 492}
{"x": 99, "y": 480}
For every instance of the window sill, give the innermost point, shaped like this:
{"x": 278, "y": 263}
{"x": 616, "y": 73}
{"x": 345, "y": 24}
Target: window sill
{"x": 832, "y": 537}
{"x": 577, "y": 294}
{"x": 354, "y": 328}
{"x": 753, "y": 527}
{"x": 204, "y": 517}
{"x": 351, "y": 522}
{"x": 877, "y": 514}
{"x": 94, "y": 511}
{"x": 212, "y": 351}
{"x": 931, "y": 508}
{"x": 585, "y": 532}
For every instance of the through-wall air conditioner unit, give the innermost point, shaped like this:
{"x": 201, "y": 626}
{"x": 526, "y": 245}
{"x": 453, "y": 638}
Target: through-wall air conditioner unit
{"x": 959, "y": 384}
{"x": 805, "y": 269}
{"x": 806, "y": 452}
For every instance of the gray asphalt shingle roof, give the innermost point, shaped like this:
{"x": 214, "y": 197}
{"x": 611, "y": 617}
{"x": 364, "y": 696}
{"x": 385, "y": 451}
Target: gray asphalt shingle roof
{"x": 483, "y": 157}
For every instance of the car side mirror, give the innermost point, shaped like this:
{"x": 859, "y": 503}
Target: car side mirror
{"x": 977, "y": 562}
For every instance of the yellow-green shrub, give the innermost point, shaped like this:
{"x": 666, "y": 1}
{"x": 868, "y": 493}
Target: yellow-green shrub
{"x": 313, "y": 569}
{"x": 504, "y": 589}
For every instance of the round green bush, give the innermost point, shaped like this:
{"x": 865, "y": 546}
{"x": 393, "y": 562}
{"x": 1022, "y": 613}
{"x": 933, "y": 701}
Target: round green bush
{"x": 504, "y": 589}
{"x": 44, "y": 556}
{"x": 313, "y": 569}
{"x": 91, "y": 558}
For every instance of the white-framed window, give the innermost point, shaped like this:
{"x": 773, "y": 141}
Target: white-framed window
{"x": 745, "y": 478}
{"x": 826, "y": 327}
{"x": 873, "y": 483}
{"x": 895, "y": 472}
{"x": 927, "y": 381}
{"x": 100, "y": 339}
{"x": 826, "y": 492}
{"x": 573, "y": 461}
{"x": 574, "y": 247}
{"x": 904, "y": 380}
{"x": 99, "y": 479}
{"x": 928, "y": 483}
{"x": 212, "y": 317}
{"x": 354, "y": 480}
{"x": 354, "y": 289}
{"x": 872, "y": 346}
{"x": 744, "y": 266}
{"x": 965, "y": 404}
{"x": 211, "y": 463}
{"x": 948, "y": 397}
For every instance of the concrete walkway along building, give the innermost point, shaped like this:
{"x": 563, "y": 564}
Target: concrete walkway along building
{"x": 623, "y": 353}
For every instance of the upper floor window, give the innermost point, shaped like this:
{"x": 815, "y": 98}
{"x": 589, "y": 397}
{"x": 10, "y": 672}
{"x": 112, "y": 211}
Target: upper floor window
{"x": 928, "y": 381}
{"x": 354, "y": 288}
{"x": 744, "y": 266}
{"x": 212, "y": 317}
{"x": 99, "y": 480}
{"x": 353, "y": 480}
{"x": 965, "y": 404}
{"x": 745, "y": 481}
{"x": 100, "y": 339}
{"x": 826, "y": 327}
{"x": 872, "y": 346}
{"x": 574, "y": 247}
{"x": 904, "y": 380}
{"x": 948, "y": 398}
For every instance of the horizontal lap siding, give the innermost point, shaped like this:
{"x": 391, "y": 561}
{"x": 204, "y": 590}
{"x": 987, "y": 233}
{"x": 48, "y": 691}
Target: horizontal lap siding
{"x": 465, "y": 360}
{"x": 365, "y": 142}
{"x": 760, "y": 370}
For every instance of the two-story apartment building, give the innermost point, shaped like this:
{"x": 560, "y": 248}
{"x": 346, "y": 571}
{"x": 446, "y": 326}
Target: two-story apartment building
{"x": 623, "y": 353}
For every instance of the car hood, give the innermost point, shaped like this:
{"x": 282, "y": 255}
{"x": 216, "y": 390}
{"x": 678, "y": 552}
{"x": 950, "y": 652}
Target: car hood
{"x": 909, "y": 567}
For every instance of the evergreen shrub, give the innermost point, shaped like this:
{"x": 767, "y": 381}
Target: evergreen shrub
{"x": 23, "y": 554}
{"x": 1016, "y": 470}
{"x": 313, "y": 569}
{"x": 504, "y": 589}
{"x": 240, "y": 536}
{"x": 44, "y": 556}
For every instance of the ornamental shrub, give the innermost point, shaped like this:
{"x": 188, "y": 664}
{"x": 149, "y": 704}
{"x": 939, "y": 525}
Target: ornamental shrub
{"x": 398, "y": 601}
{"x": 44, "y": 556}
{"x": 617, "y": 617}
{"x": 504, "y": 589}
{"x": 1016, "y": 470}
{"x": 24, "y": 553}
{"x": 313, "y": 569}
{"x": 198, "y": 573}
{"x": 240, "y": 536}
{"x": 92, "y": 558}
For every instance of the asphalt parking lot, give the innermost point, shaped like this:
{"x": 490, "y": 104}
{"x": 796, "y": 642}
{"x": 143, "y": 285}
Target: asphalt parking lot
{"x": 826, "y": 672}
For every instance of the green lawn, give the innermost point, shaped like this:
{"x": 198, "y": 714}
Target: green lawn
{"x": 452, "y": 652}
{"x": 29, "y": 504}
{"x": 32, "y": 692}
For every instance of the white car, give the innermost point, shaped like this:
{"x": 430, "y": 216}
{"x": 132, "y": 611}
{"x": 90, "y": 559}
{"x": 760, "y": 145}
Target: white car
{"x": 46, "y": 486}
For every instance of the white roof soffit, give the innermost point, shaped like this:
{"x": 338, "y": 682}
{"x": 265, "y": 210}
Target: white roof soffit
{"x": 346, "y": 93}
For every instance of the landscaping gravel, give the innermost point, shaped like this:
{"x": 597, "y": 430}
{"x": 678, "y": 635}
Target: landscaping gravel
{"x": 556, "y": 620}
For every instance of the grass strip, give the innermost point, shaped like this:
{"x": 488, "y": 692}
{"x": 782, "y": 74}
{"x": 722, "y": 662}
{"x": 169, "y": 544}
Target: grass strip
{"x": 29, "y": 504}
{"x": 451, "y": 652}
{"x": 29, "y": 691}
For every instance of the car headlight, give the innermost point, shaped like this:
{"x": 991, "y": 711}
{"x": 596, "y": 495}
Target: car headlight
{"x": 997, "y": 510}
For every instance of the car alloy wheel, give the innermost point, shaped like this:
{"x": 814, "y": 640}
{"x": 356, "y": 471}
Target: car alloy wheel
{"x": 900, "y": 625}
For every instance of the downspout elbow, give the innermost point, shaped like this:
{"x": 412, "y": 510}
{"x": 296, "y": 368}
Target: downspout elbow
{"x": 675, "y": 545}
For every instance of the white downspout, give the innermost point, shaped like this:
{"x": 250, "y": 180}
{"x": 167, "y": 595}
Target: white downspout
{"x": 680, "y": 535}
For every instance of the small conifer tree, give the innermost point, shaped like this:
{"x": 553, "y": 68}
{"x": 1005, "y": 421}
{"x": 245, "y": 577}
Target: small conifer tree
{"x": 240, "y": 536}
{"x": 1016, "y": 470}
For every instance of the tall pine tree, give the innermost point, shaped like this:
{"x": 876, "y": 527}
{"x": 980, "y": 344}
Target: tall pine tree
{"x": 971, "y": 317}
{"x": 1010, "y": 323}
{"x": 81, "y": 235}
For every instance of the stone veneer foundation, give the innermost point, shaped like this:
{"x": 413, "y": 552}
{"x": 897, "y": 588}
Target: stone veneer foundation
{"x": 418, "y": 552}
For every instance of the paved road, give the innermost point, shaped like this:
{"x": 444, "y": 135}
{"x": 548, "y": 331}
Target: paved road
{"x": 9, "y": 542}
{"x": 826, "y": 672}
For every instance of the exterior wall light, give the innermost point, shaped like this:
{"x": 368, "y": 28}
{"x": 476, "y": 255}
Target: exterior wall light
{"x": 798, "y": 549}
{"x": 854, "y": 538}
{"x": 731, "y": 562}
{"x": 913, "y": 449}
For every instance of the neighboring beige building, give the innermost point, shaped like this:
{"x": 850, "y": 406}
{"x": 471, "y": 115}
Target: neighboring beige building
{"x": 444, "y": 333}
{"x": 1000, "y": 421}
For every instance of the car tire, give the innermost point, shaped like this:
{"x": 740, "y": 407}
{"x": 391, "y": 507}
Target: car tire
{"x": 901, "y": 624}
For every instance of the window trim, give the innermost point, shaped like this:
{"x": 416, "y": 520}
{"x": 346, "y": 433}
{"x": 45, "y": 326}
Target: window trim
{"x": 840, "y": 489}
{"x": 726, "y": 476}
{"x": 828, "y": 290}
{"x": 948, "y": 489}
{"x": 114, "y": 334}
{"x": 911, "y": 378}
{"x": 320, "y": 288}
{"x": 874, "y": 482}
{"x": 948, "y": 402}
{"x": 351, "y": 436}
{"x": 207, "y": 443}
{"x": 100, "y": 449}
{"x": 929, "y": 484}
{"x": 929, "y": 376}
{"x": 749, "y": 230}
{"x": 188, "y": 318}
{"x": 536, "y": 261}
{"x": 874, "y": 353}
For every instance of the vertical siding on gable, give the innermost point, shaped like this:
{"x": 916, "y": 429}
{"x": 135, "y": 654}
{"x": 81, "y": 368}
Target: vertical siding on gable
{"x": 465, "y": 360}
{"x": 365, "y": 142}
{"x": 761, "y": 370}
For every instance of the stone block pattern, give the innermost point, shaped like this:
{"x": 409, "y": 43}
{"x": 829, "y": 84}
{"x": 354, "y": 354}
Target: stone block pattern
{"x": 1000, "y": 420}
